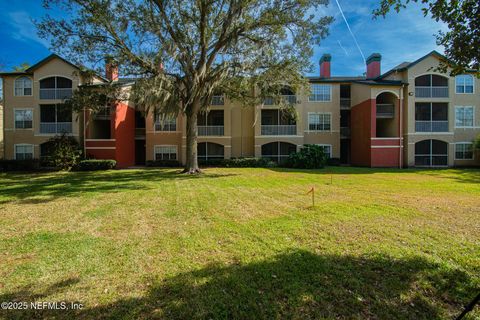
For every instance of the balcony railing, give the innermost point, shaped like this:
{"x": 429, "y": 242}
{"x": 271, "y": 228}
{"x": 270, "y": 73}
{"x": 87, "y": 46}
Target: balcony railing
{"x": 345, "y": 103}
{"x": 279, "y": 130}
{"x": 218, "y": 101}
{"x": 431, "y": 92}
{"x": 385, "y": 110}
{"x": 210, "y": 130}
{"x": 55, "y": 94}
{"x": 104, "y": 114}
{"x": 344, "y": 132}
{"x": 55, "y": 127}
{"x": 431, "y": 126}
{"x": 291, "y": 99}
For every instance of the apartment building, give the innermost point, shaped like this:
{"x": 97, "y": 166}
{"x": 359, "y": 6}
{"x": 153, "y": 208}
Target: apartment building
{"x": 408, "y": 116}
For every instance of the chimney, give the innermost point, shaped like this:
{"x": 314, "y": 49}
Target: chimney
{"x": 325, "y": 66}
{"x": 373, "y": 65}
{"x": 111, "y": 69}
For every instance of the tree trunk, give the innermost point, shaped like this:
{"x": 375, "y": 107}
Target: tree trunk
{"x": 191, "y": 162}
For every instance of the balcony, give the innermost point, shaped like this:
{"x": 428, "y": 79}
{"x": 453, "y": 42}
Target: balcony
{"x": 385, "y": 110}
{"x": 55, "y": 127}
{"x": 345, "y": 103}
{"x": 104, "y": 114}
{"x": 344, "y": 132}
{"x": 55, "y": 94}
{"x": 210, "y": 130}
{"x": 217, "y": 101}
{"x": 279, "y": 130}
{"x": 290, "y": 99}
{"x": 431, "y": 126}
{"x": 431, "y": 92}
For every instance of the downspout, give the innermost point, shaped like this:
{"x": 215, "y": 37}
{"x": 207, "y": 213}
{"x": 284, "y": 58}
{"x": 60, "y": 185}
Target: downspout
{"x": 400, "y": 129}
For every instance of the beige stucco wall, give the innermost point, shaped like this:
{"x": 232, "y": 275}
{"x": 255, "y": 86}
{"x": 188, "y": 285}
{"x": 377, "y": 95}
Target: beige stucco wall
{"x": 454, "y": 135}
{"x": 12, "y": 136}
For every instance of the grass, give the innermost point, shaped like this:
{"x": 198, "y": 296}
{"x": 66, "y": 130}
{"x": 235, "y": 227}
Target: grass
{"x": 242, "y": 243}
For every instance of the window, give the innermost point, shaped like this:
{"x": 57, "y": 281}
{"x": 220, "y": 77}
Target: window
{"x": 218, "y": 100}
{"x": 431, "y": 117}
{"x": 464, "y": 117}
{"x": 23, "y": 86}
{"x": 464, "y": 151}
{"x": 55, "y": 88}
{"x": 327, "y": 149}
{"x": 319, "y": 121}
{"x": 23, "y": 151}
{"x": 431, "y": 86}
{"x": 320, "y": 92}
{"x": 165, "y": 152}
{"x": 167, "y": 124}
{"x": 209, "y": 150}
{"x": 431, "y": 153}
{"x": 464, "y": 83}
{"x": 23, "y": 119}
{"x": 55, "y": 118}
{"x": 278, "y": 151}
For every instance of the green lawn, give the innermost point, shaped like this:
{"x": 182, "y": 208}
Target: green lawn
{"x": 242, "y": 243}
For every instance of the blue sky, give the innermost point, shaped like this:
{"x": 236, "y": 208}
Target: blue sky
{"x": 400, "y": 37}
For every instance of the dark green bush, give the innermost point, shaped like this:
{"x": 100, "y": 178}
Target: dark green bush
{"x": 64, "y": 152}
{"x": 95, "y": 164}
{"x": 310, "y": 156}
{"x": 163, "y": 163}
{"x": 20, "y": 165}
{"x": 239, "y": 163}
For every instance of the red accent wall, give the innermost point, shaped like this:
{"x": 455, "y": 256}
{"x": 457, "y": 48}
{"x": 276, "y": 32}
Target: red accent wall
{"x": 387, "y": 156}
{"x": 124, "y": 135}
{"x": 361, "y": 132}
{"x": 373, "y": 69}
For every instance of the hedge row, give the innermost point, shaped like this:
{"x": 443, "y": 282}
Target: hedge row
{"x": 94, "y": 165}
{"x": 20, "y": 165}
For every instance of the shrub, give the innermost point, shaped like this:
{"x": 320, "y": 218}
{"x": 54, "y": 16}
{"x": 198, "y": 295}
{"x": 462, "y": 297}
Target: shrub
{"x": 163, "y": 163}
{"x": 65, "y": 153}
{"x": 20, "y": 165}
{"x": 310, "y": 156}
{"x": 94, "y": 165}
{"x": 333, "y": 162}
{"x": 240, "y": 163}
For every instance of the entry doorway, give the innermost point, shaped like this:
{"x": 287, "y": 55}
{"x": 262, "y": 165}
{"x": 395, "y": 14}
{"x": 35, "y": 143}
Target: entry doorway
{"x": 140, "y": 152}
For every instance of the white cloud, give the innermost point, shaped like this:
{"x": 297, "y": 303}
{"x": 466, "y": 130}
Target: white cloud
{"x": 23, "y": 28}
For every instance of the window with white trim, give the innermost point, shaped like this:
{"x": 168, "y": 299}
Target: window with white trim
{"x": 464, "y": 151}
{"x": 23, "y": 86}
{"x": 23, "y": 119}
{"x": 464, "y": 83}
{"x": 319, "y": 121}
{"x": 320, "y": 92}
{"x": 464, "y": 117}
{"x": 167, "y": 124}
{"x": 165, "y": 152}
{"x": 327, "y": 149}
{"x": 23, "y": 151}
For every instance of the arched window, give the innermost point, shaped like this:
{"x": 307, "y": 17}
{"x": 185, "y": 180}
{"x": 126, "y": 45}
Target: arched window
{"x": 23, "y": 86}
{"x": 278, "y": 151}
{"x": 431, "y": 153}
{"x": 55, "y": 88}
{"x": 464, "y": 83}
{"x": 209, "y": 151}
{"x": 431, "y": 86}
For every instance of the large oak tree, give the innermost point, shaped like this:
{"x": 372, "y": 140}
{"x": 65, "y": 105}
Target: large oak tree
{"x": 185, "y": 51}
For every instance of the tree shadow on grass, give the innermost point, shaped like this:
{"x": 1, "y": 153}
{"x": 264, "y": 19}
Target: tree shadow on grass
{"x": 296, "y": 284}
{"x": 467, "y": 175}
{"x": 43, "y": 187}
